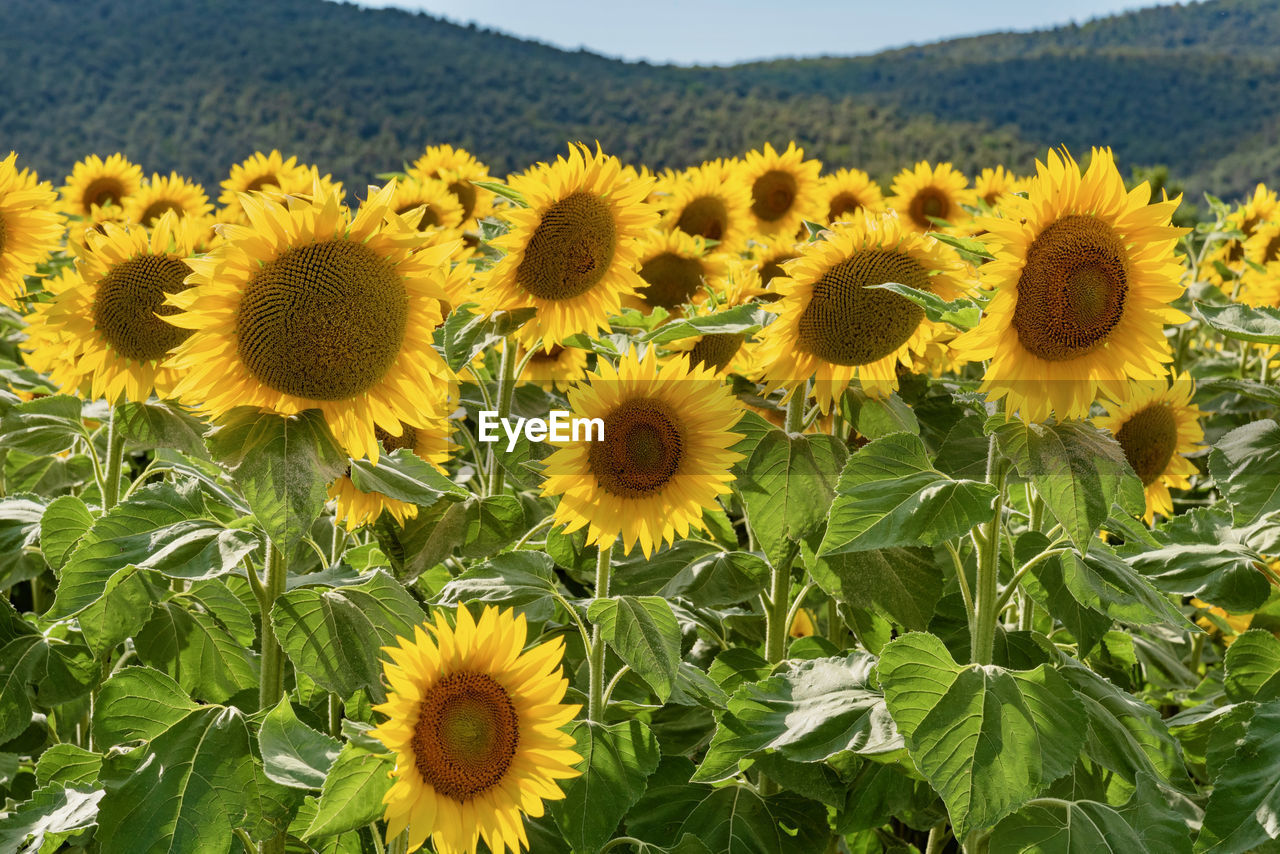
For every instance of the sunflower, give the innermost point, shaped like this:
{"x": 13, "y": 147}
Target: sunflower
{"x": 770, "y": 255}
{"x": 312, "y": 307}
{"x": 1157, "y": 425}
{"x": 95, "y": 186}
{"x": 47, "y": 348}
{"x": 1083, "y": 277}
{"x": 676, "y": 269}
{"x": 804, "y": 625}
{"x": 1261, "y": 207}
{"x": 160, "y": 194}
{"x": 436, "y": 210}
{"x": 109, "y": 317}
{"x": 1260, "y": 280}
{"x": 925, "y": 193}
{"x": 458, "y": 168}
{"x": 832, "y": 328}
{"x": 1236, "y": 624}
{"x": 356, "y": 508}
{"x": 706, "y": 202}
{"x": 849, "y": 190}
{"x": 664, "y": 456}
{"x": 724, "y": 352}
{"x": 783, "y": 187}
{"x": 475, "y": 722}
{"x": 992, "y": 185}
{"x": 572, "y": 253}
{"x": 558, "y": 367}
{"x": 29, "y": 227}
{"x": 259, "y": 172}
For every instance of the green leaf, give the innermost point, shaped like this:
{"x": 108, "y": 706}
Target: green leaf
{"x": 807, "y": 713}
{"x": 61, "y": 671}
{"x": 334, "y": 635}
{"x": 890, "y": 495}
{"x": 971, "y": 245}
{"x": 493, "y": 523}
{"x": 523, "y": 580}
{"x": 988, "y": 739}
{"x": 423, "y": 541}
{"x": 404, "y": 476}
{"x": 293, "y": 754}
{"x": 876, "y": 417}
{"x": 787, "y": 482}
{"x": 500, "y": 189}
{"x": 904, "y": 583}
{"x": 138, "y": 703}
{"x": 1260, "y": 325}
{"x": 616, "y": 762}
{"x": 121, "y": 611}
{"x": 719, "y": 579}
{"x": 963, "y": 313}
{"x": 195, "y": 649}
{"x": 1252, "y": 667}
{"x": 1104, "y": 583}
{"x": 352, "y": 793}
{"x": 1077, "y": 469}
{"x": 1245, "y": 465}
{"x": 739, "y": 320}
{"x": 68, "y": 765}
{"x": 52, "y": 814}
{"x": 283, "y": 465}
{"x": 44, "y": 426}
{"x": 150, "y": 425}
{"x": 644, "y": 633}
{"x": 1241, "y": 811}
{"x": 64, "y": 522}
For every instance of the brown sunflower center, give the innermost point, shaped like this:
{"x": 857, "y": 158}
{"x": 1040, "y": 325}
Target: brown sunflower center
{"x": 672, "y": 279}
{"x": 465, "y": 193}
{"x": 990, "y": 198}
{"x": 929, "y": 202}
{"x": 262, "y": 182}
{"x": 466, "y": 736}
{"x": 127, "y": 301}
{"x": 641, "y": 451}
{"x": 706, "y": 217}
{"x": 157, "y": 209}
{"x": 107, "y": 190}
{"x": 1072, "y": 290}
{"x": 571, "y": 249}
{"x": 845, "y": 323}
{"x": 1149, "y": 438}
{"x": 407, "y": 439}
{"x": 773, "y": 194}
{"x": 716, "y": 351}
{"x": 547, "y": 357}
{"x": 323, "y": 321}
{"x": 841, "y": 204}
{"x": 429, "y": 218}
{"x": 1272, "y": 251}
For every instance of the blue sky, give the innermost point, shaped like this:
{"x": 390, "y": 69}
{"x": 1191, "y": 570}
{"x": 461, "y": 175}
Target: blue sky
{"x": 723, "y": 31}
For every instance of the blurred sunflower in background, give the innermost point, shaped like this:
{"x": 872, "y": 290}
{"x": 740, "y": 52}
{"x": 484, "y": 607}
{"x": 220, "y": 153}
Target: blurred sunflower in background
{"x": 97, "y": 189}
{"x": 784, "y": 188}
{"x": 834, "y": 327}
{"x": 314, "y": 307}
{"x": 474, "y": 719}
{"x": 925, "y": 193}
{"x": 458, "y": 169}
{"x": 167, "y": 193}
{"x": 993, "y": 184}
{"x": 1083, "y": 277}
{"x": 724, "y": 352}
{"x": 1157, "y": 425}
{"x": 1261, "y": 207}
{"x": 664, "y": 456}
{"x": 706, "y": 202}
{"x": 557, "y": 368}
{"x": 675, "y": 268}
{"x": 436, "y": 210}
{"x": 769, "y": 256}
{"x": 846, "y": 191}
{"x": 30, "y": 227}
{"x": 572, "y": 254}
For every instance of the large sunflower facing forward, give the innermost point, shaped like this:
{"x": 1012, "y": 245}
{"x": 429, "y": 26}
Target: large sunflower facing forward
{"x": 311, "y": 307}
{"x": 783, "y": 187}
{"x": 833, "y": 327}
{"x": 1157, "y": 425}
{"x": 572, "y": 253}
{"x": 95, "y": 186}
{"x": 848, "y": 190}
{"x": 166, "y": 193}
{"x": 1083, "y": 276}
{"x": 705, "y": 202}
{"x": 475, "y": 722}
{"x": 925, "y": 193}
{"x": 29, "y": 227}
{"x": 458, "y": 168}
{"x": 664, "y": 456}
{"x": 356, "y": 507}
{"x": 109, "y": 317}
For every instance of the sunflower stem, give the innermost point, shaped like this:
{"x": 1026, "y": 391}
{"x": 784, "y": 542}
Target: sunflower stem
{"x": 399, "y": 845}
{"x": 506, "y": 393}
{"x": 776, "y": 624}
{"x": 335, "y": 715}
{"x": 987, "y": 595}
{"x": 271, "y": 686}
{"x": 115, "y": 461}
{"x": 795, "y": 409}
{"x": 595, "y": 662}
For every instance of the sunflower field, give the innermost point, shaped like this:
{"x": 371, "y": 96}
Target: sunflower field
{"x": 749, "y": 509}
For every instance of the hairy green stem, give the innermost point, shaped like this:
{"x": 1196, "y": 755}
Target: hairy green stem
{"x": 795, "y": 409}
{"x": 937, "y": 838}
{"x": 271, "y": 685}
{"x": 115, "y": 460}
{"x": 506, "y": 393}
{"x": 776, "y": 625}
{"x": 399, "y": 845}
{"x": 986, "y": 595}
{"x": 595, "y": 662}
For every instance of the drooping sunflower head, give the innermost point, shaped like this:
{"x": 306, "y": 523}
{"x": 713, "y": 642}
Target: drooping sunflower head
{"x": 572, "y": 254}
{"x": 706, "y": 202}
{"x": 29, "y": 227}
{"x": 458, "y": 168}
{"x": 676, "y": 269}
{"x": 1157, "y": 425}
{"x": 659, "y": 458}
{"x": 833, "y": 324}
{"x": 313, "y": 307}
{"x": 97, "y": 189}
{"x": 435, "y": 210}
{"x": 167, "y": 193}
{"x": 475, "y": 722}
{"x": 993, "y": 184}
{"x": 355, "y": 507}
{"x": 560, "y": 367}
{"x": 927, "y": 193}
{"x": 847, "y": 191}
{"x": 1083, "y": 277}
{"x": 112, "y": 314}
{"x": 783, "y": 187}
{"x": 1260, "y": 208}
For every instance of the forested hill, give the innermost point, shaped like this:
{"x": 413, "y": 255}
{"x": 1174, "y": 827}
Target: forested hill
{"x": 195, "y": 85}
